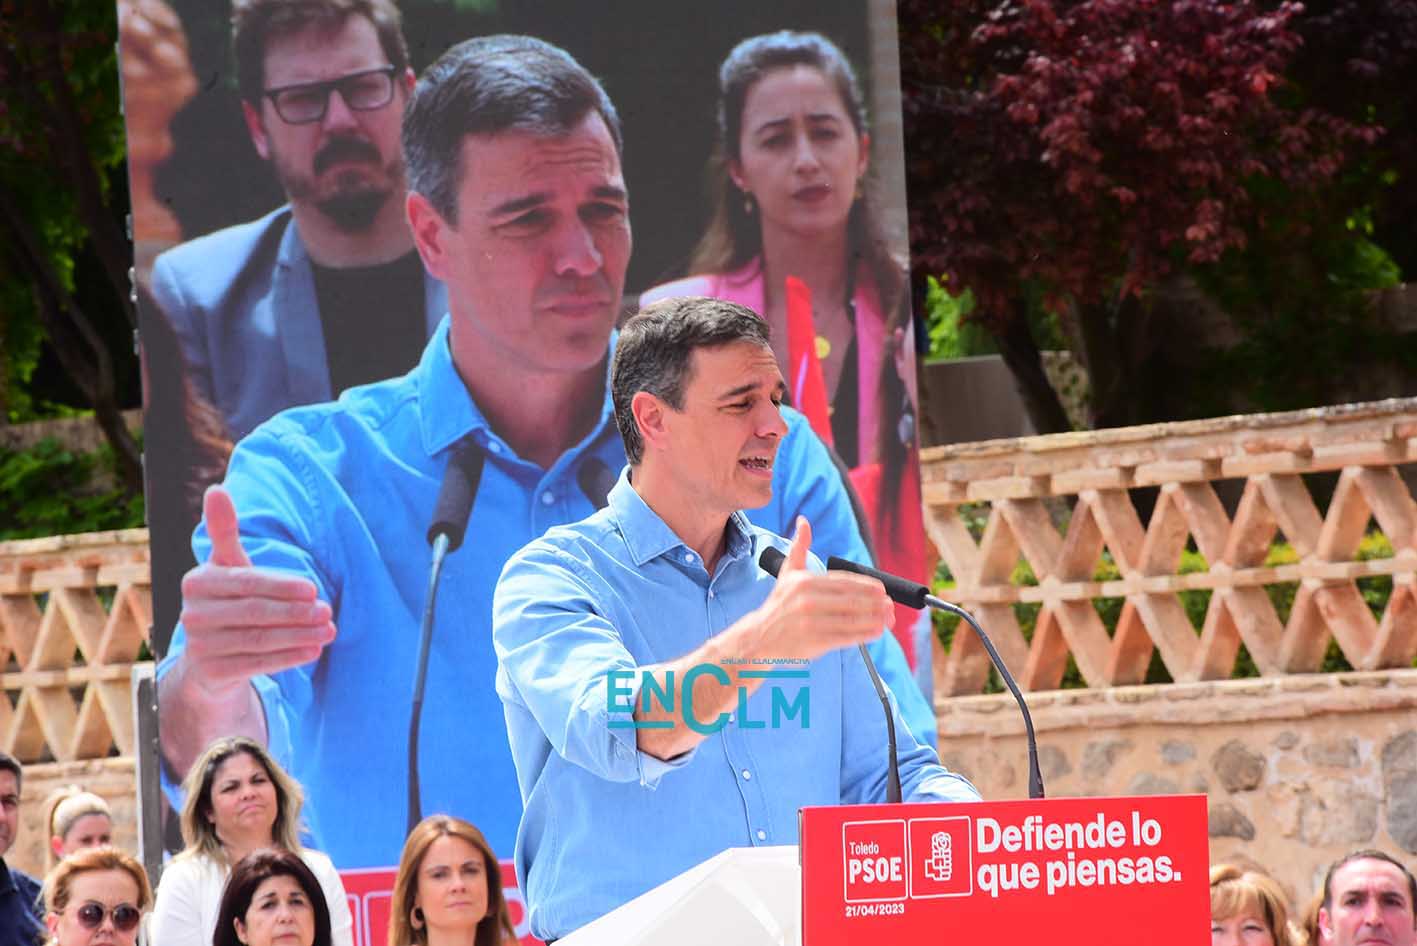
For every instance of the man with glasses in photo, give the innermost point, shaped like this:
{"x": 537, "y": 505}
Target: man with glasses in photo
{"x": 327, "y": 291}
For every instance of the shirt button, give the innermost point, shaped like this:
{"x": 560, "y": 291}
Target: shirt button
{"x": 747, "y": 776}
{"x": 547, "y": 498}
{"x": 494, "y": 446}
{"x": 731, "y": 717}
{"x": 688, "y": 558}
{"x": 762, "y": 835}
{"x": 710, "y": 592}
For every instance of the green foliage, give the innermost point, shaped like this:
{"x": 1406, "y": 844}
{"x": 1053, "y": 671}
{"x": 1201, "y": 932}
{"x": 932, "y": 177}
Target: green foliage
{"x": 49, "y": 490}
{"x": 1375, "y": 591}
{"x": 952, "y": 335}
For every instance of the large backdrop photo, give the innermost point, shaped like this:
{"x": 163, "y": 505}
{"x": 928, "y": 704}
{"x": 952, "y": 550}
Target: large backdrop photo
{"x": 276, "y": 270}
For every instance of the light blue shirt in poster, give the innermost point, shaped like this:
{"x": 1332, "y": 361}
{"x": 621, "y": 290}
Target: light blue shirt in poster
{"x": 342, "y": 493}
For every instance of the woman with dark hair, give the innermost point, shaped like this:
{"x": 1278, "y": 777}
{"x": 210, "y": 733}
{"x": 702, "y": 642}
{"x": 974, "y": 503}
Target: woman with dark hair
{"x": 238, "y": 800}
{"x": 272, "y": 897}
{"x": 795, "y": 236}
{"x": 448, "y": 891}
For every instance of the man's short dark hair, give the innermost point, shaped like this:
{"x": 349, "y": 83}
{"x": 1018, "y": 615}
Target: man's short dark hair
{"x": 9, "y": 763}
{"x": 488, "y": 85}
{"x": 655, "y": 348}
{"x": 1370, "y": 855}
{"x": 254, "y": 22}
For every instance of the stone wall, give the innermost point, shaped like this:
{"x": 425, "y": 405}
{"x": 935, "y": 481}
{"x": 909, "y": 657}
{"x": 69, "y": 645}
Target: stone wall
{"x": 114, "y": 779}
{"x": 1298, "y": 770}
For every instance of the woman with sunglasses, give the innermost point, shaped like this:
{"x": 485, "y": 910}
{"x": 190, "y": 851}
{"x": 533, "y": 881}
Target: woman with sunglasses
{"x": 272, "y": 898}
{"x": 96, "y": 895}
{"x": 238, "y": 800}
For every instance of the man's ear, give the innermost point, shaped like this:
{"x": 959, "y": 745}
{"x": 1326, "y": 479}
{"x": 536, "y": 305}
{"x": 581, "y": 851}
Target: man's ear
{"x": 651, "y": 417}
{"x": 1325, "y": 925}
{"x": 257, "y": 129}
{"x": 429, "y": 231}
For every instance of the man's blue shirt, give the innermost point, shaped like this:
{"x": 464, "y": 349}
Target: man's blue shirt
{"x": 343, "y": 493}
{"x": 604, "y": 821}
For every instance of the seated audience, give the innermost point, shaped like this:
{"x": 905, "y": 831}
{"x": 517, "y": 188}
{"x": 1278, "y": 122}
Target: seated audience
{"x": 448, "y": 889}
{"x": 96, "y": 895}
{"x": 237, "y": 801}
{"x": 77, "y": 819}
{"x": 1247, "y": 909}
{"x": 272, "y": 898}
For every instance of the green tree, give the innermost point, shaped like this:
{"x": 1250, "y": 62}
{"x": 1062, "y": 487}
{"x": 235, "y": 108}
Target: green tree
{"x": 64, "y": 255}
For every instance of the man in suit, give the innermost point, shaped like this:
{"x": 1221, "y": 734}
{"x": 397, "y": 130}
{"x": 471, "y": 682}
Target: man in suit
{"x": 327, "y": 291}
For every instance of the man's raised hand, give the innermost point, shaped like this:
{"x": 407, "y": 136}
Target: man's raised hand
{"x": 809, "y": 613}
{"x": 241, "y": 620}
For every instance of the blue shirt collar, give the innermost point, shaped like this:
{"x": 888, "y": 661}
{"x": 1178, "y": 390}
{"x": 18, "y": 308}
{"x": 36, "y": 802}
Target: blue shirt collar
{"x": 445, "y": 420}
{"x": 647, "y": 536}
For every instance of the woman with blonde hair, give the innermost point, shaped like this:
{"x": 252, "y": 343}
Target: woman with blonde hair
{"x": 448, "y": 891}
{"x": 77, "y": 819}
{"x": 96, "y": 895}
{"x": 238, "y": 800}
{"x": 1247, "y": 908}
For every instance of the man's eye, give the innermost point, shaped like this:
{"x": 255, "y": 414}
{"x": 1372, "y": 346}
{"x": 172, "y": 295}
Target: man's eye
{"x": 526, "y": 224}
{"x": 603, "y": 213}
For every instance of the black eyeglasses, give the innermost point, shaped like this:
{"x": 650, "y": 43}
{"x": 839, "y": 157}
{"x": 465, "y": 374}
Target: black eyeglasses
{"x": 125, "y": 916}
{"x": 361, "y": 91}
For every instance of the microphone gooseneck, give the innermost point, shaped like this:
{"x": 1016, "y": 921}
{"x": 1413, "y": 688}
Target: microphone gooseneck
{"x": 445, "y": 534}
{"x": 770, "y": 561}
{"x": 912, "y": 594}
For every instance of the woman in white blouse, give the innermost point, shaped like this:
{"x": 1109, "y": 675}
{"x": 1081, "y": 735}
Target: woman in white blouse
{"x": 238, "y": 800}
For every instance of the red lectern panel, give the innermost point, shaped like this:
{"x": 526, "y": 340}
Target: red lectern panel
{"x": 1062, "y": 871}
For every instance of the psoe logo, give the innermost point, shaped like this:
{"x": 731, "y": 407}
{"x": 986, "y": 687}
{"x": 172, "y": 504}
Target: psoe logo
{"x": 675, "y": 697}
{"x": 941, "y": 857}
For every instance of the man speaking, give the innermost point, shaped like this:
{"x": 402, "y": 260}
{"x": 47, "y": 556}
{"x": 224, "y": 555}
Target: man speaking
{"x": 663, "y": 585}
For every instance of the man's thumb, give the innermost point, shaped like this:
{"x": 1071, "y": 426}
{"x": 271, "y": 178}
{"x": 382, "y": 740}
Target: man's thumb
{"x": 801, "y": 542}
{"x": 223, "y": 528}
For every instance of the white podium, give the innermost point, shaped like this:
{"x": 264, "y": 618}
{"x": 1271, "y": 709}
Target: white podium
{"x": 745, "y": 896}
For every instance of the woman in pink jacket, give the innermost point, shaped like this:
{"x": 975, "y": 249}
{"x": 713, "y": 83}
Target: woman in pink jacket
{"x": 795, "y": 236}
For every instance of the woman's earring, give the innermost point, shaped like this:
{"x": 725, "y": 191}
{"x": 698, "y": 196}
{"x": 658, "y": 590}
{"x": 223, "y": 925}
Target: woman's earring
{"x": 748, "y": 203}
{"x": 417, "y": 918}
{"x": 859, "y": 187}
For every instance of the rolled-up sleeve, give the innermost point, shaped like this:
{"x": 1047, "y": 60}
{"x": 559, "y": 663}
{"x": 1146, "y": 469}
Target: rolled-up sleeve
{"x": 556, "y": 650}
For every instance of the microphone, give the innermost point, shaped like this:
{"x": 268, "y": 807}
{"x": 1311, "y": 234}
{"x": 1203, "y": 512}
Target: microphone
{"x": 455, "y": 497}
{"x": 445, "y": 534}
{"x": 912, "y": 594}
{"x": 596, "y": 479}
{"x": 771, "y": 561}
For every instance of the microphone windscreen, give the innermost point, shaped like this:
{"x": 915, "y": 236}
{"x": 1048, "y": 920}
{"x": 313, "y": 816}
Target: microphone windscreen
{"x": 902, "y": 591}
{"x": 771, "y": 560}
{"x": 456, "y": 496}
{"x": 596, "y": 479}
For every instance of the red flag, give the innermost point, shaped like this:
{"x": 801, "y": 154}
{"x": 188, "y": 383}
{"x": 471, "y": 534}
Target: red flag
{"x": 804, "y": 371}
